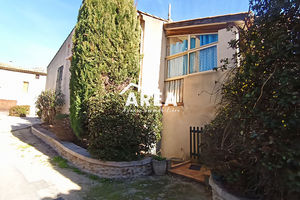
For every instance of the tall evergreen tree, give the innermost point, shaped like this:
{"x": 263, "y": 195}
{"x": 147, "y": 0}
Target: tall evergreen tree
{"x": 105, "y": 54}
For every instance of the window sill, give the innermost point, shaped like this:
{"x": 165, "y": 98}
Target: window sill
{"x": 192, "y": 74}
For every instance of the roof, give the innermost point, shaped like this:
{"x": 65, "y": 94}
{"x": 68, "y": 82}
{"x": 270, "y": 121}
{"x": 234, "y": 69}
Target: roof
{"x": 153, "y": 16}
{"x": 9, "y": 67}
{"x": 61, "y": 46}
{"x": 206, "y": 20}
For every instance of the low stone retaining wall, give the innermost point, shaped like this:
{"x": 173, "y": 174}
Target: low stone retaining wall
{"x": 219, "y": 193}
{"x": 81, "y": 159}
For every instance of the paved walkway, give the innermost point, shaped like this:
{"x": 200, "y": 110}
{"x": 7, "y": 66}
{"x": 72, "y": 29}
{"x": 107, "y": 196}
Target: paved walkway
{"x": 25, "y": 169}
{"x": 26, "y": 173}
{"x": 8, "y": 123}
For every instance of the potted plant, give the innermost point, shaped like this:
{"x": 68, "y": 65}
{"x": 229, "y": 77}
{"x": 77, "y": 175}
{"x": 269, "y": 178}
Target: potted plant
{"x": 159, "y": 164}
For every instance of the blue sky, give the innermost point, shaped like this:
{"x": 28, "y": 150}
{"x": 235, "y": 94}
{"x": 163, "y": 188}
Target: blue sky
{"x": 31, "y": 31}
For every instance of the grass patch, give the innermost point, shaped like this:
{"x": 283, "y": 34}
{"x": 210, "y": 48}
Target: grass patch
{"x": 23, "y": 147}
{"x": 148, "y": 188}
{"x": 93, "y": 177}
{"x": 77, "y": 171}
{"x": 60, "y": 162}
{"x": 63, "y": 163}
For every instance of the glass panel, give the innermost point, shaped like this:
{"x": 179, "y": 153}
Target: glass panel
{"x": 177, "y": 45}
{"x": 207, "y": 39}
{"x": 195, "y": 41}
{"x": 177, "y": 66}
{"x": 200, "y": 40}
{"x": 194, "y": 62}
{"x": 208, "y": 58}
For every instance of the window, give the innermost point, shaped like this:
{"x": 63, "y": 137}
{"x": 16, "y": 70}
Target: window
{"x": 177, "y": 44}
{"x": 25, "y": 86}
{"x": 177, "y": 66}
{"x": 191, "y": 53}
{"x": 59, "y": 78}
{"x": 174, "y": 92}
{"x": 203, "y": 60}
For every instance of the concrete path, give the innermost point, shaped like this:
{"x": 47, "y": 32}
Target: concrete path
{"x": 25, "y": 168}
{"x": 26, "y": 173}
{"x": 8, "y": 123}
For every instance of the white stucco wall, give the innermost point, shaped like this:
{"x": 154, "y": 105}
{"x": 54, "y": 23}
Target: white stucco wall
{"x": 152, "y": 65}
{"x": 154, "y": 52}
{"x": 11, "y": 87}
{"x": 200, "y": 99}
{"x": 61, "y": 59}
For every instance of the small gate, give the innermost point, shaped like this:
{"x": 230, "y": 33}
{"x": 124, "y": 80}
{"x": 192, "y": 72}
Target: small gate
{"x": 195, "y": 141}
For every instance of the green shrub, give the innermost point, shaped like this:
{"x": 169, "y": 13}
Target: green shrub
{"x": 48, "y": 105}
{"x": 253, "y": 143}
{"x": 19, "y": 111}
{"x": 118, "y": 133}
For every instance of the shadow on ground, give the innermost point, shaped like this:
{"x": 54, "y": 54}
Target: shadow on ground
{"x": 92, "y": 187}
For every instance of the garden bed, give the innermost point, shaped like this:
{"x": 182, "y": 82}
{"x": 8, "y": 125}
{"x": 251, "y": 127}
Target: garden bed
{"x": 63, "y": 131}
{"x": 80, "y": 157}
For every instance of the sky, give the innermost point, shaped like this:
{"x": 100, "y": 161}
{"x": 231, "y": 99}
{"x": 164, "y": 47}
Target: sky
{"x": 32, "y": 31}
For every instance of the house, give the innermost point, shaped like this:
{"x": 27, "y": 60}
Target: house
{"x": 20, "y": 87}
{"x": 178, "y": 60}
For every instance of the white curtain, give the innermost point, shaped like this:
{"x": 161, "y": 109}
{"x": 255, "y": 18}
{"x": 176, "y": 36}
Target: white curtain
{"x": 177, "y": 66}
{"x": 174, "y": 92}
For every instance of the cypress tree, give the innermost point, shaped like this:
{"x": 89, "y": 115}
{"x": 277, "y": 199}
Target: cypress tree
{"x": 105, "y": 60}
{"x": 105, "y": 54}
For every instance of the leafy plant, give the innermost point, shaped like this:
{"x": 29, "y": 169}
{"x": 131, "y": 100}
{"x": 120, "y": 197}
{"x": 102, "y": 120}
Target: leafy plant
{"x": 105, "y": 60}
{"x": 48, "y": 105}
{"x": 19, "y": 111}
{"x": 158, "y": 157}
{"x": 119, "y": 133}
{"x": 253, "y": 143}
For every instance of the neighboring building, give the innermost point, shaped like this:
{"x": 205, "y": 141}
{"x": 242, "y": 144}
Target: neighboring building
{"x": 20, "y": 87}
{"x": 178, "y": 59}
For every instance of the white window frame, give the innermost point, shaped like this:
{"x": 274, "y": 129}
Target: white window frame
{"x": 188, "y": 52}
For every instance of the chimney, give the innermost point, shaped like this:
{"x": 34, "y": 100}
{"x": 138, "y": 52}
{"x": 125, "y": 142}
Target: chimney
{"x": 169, "y": 14}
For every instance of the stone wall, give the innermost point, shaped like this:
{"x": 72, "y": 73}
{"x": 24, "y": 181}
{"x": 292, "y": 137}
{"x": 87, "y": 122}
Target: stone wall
{"x": 5, "y": 105}
{"x": 219, "y": 193}
{"x": 81, "y": 159}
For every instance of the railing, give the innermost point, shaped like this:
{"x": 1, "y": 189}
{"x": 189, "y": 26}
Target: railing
{"x": 195, "y": 142}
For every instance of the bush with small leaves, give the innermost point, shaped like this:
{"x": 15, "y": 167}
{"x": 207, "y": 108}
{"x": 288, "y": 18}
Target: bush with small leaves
{"x": 48, "y": 105}
{"x": 19, "y": 111}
